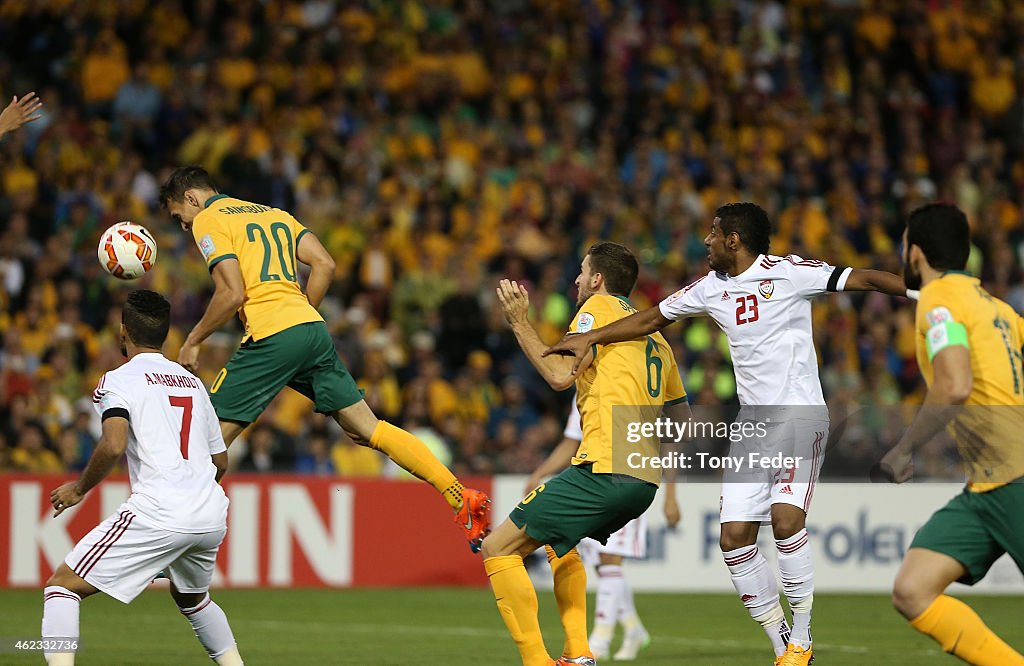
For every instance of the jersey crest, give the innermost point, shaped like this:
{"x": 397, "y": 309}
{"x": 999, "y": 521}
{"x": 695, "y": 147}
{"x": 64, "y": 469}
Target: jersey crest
{"x": 766, "y": 288}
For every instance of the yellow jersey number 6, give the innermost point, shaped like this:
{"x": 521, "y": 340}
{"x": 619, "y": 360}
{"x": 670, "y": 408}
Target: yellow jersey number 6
{"x": 533, "y": 493}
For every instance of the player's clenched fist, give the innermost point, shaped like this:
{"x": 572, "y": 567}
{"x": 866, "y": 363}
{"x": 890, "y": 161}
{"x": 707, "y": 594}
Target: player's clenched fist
{"x": 515, "y": 302}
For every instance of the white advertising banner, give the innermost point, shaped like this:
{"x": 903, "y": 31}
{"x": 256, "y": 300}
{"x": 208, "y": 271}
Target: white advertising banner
{"x": 859, "y": 532}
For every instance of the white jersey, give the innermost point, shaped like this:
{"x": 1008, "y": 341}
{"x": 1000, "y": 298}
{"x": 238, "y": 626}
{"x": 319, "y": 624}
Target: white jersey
{"x": 173, "y": 431}
{"x": 573, "y": 425}
{"x": 765, "y": 312}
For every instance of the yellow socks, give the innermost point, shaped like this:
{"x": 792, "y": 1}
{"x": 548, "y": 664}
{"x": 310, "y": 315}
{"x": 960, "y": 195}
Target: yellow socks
{"x": 571, "y": 593}
{"x": 960, "y": 632}
{"x": 517, "y": 603}
{"x": 412, "y": 455}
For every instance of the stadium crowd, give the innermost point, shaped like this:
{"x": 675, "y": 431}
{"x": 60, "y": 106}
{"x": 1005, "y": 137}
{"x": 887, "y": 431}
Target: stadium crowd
{"x": 437, "y": 146}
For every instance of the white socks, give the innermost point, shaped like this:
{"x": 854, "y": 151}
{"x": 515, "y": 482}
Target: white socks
{"x": 797, "y": 572}
{"x": 627, "y": 609}
{"x": 610, "y": 591}
{"x": 755, "y": 583}
{"x": 212, "y": 629}
{"x": 60, "y": 620}
{"x": 614, "y": 604}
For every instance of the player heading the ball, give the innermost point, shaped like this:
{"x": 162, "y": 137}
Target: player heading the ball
{"x": 253, "y": 252}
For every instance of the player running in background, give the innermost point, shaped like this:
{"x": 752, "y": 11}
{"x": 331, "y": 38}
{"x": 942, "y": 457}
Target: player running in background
{"x": 599, "y": 493}
{"x": 614, "y": 595}
{"x": 252, "y": 253}
{"x": 762, "y": 303}
{"x": 969, "y": 351}
{"x": 160, "y": 415}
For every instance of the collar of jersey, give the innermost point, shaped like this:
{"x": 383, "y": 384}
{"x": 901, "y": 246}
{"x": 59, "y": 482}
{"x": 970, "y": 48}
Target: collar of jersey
{"x": 757, "y": 262}
{"x": 624, "y": 299}
{"x": 215, "y": 197}
{"x": 967, "y": 273}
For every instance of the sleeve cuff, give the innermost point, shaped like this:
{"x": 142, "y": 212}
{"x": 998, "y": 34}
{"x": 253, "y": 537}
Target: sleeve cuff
{"x": 119, "y": 412}
{"x": 685, "y": 398}
{"x": 221, "y": 258}
{"x": 837, "y": 281}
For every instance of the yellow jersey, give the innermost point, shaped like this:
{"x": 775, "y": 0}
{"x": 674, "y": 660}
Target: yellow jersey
{"x": 627, "y": 382}
{"x": 264, "y": 241}
{"x": 956, "y": 310}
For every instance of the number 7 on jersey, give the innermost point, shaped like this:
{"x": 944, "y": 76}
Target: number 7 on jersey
{"x": 185, "y": 402}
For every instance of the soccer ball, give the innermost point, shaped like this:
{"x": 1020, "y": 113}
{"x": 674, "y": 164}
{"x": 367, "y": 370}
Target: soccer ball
{"x": 127, "y": 250}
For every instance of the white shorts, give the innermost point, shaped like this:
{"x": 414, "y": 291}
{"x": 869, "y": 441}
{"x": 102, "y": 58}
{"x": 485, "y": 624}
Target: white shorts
{"x": 630, "y": 541}
{"x": 123, "y": 554}
{"x": 749, "y": 493}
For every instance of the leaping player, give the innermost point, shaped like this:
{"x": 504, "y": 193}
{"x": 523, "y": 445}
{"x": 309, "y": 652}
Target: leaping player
{"x": 762, "y": 302}
{"x": 160, "y": 415}
{"x": 252, "y": 252}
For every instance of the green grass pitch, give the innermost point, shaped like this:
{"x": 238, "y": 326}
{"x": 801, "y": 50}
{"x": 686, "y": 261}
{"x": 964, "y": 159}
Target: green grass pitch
{"x": 459, "y": 626}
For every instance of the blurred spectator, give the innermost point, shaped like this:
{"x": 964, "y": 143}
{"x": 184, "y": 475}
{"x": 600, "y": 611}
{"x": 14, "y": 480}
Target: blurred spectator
{"x": 316, "y": 458}
{"x": 33, "y": 451}
{"x": 266, "y": 453}
{"x": 351, "y": 459}
{"x": 435, "y": 152}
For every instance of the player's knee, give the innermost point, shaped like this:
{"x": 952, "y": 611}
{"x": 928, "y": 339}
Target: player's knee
{"x": 787, "y": 522}
{"x": 908, "y": 598}
{"x": 187, "y": 599}
{"x": 487, "y": 550}
{"x": 731, "y": 540}
{"x": 63, "y": 577}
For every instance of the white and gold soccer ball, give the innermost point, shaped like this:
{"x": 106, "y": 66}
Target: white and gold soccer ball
{"x": 127, "y": 250}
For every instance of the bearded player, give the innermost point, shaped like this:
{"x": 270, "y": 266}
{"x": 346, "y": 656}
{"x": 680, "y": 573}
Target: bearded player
{"x": 762, "y": 303}
{"x": 252, "y": 252}
{"x": 600, "y": 492}
{"x": 969, "y": 351}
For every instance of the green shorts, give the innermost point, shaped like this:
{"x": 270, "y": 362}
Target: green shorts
{"x": 976, "y": 529}
{"x": 302, "y": 357}
{"x": 578, "y": 503}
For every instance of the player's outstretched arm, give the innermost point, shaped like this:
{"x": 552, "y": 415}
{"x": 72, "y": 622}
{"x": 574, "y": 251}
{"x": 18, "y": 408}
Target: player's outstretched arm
{"x": 864, "y": 279}
{"x": 19, "y": 112}
{"x": 108, "y": 451}
{"x": 311, "y": 252}
{"x": 951, "y": 386}
{"x": 636, "y": 325}
{"x": 228, "y": 296}
{"x": 557, "y": 371}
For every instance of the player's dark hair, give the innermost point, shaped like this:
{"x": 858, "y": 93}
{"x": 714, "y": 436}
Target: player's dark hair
{"x": 748, "y": 220}
{"x": 183, "y": 179}
{"x": 147, "y": 318}
{"x": 617, "y": 264}
{"x": 943, "y": 234}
